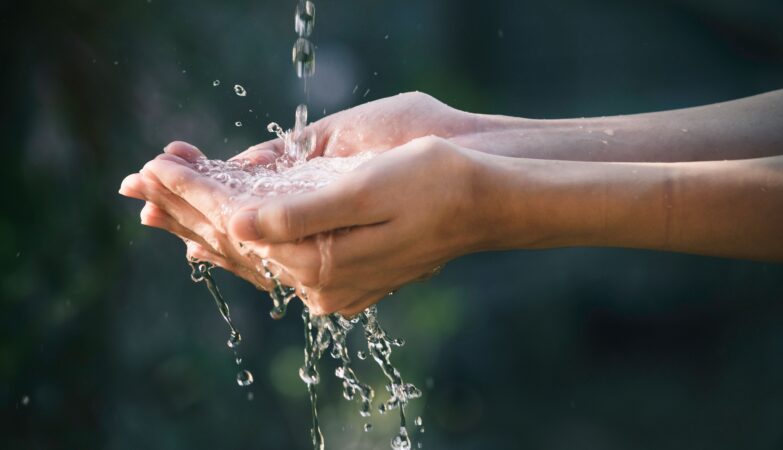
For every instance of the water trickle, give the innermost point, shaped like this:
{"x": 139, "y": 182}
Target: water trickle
{"x": 303, "y": 57}
{"x": 304, "y": 20}
{"x": 234, "y": 339}
{"x": 244, "y": 378}
{"x": 295, "y": 171}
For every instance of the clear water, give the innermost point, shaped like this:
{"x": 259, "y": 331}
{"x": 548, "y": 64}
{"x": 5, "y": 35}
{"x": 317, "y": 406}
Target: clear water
{"x": 323, "y": 334}
{"x": 292, "y": 173}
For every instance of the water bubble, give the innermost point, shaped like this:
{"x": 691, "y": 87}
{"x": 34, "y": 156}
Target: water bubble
{"x": 216, "y": 83}
{"x": 303, "y": 57}
{"x": 239, "y": 90}
{"x": 418, "y": 421}
{"x": 244, "y": 378}
{"x": 361, "y": 354}
{"x": 304, "y": 20}
{"x": 238, "y": 360}
{"x": 238, "y": 123}
{"x": 234, "y": 340}
{"x": 250, "y": 396}
{"x": 25, "y": 400}
{"x": 367, "y": 427}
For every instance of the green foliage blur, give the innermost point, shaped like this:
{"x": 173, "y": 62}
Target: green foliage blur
{"x": 105, "y": 343}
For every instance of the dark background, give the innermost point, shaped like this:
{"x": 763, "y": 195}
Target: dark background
{"x": 105, "y": 343}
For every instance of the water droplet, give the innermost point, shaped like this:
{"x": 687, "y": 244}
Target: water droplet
{"x": 234, "y": 340}
{"x": 244, "y": 378}
{"x": 401, "y": 441}
{"x": 367, "y": 427}
{"x": 684, "y": 130}
{"x": 239, "y": 90}
{"x": 216, "y": 83}
{"x": 304, "y": 19}
{"x": 303, "y": 57}
{"x": 238, "y": 123}
{"x": 366, "y": 92}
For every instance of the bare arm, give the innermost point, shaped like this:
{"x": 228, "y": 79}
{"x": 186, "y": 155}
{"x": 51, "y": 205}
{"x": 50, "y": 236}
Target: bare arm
{"x": 747, "y": 128}
{"x": 719, "y": 208}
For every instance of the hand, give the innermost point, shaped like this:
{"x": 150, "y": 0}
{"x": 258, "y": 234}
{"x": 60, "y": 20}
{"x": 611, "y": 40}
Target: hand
{"x": 394, "y": 220}
{"x": 171, "y": 188}
{"x": 379, "y": 126}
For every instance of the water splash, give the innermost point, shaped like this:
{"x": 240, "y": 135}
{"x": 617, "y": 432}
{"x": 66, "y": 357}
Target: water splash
{"x": 201, "y": 273}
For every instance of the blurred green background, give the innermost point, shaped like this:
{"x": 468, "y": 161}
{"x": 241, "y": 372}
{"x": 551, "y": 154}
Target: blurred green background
{"x": 106, "y": 344}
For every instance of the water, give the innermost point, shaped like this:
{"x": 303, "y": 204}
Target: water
{"x": 303, "y": 57}
{"x": 292, "y": 173}
{"x": 323, "y": 334}
{"x": 304, "y": 19}
{"x": 201, "y": 273}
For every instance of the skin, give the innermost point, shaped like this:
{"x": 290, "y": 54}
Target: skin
{"x": 705, "y": 180}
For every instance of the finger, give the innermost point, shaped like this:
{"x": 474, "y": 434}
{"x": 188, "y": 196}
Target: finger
{"x": 132, "y": 186}
{"x": 184, "y": 150}
{"x": 263, "y": 153}
{"x": 204, "y": 194}
{"x": 201, "y": 253}
{"x": 181, "y": 211}
{"x": 173, "y": 158}
{"x": 339, "y": 205}
{"x": 153, "y": 216}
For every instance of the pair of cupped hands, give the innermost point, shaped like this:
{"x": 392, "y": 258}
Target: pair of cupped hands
{"x": 395, "y": 219}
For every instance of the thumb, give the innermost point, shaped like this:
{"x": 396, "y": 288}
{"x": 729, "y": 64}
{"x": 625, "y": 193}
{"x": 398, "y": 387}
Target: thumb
{"x": 285, "y": 219}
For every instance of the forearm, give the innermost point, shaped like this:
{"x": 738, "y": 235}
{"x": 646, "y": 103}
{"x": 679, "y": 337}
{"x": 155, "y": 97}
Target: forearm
{"x": 732, "y": 208}
{"x": 740, "y": 129}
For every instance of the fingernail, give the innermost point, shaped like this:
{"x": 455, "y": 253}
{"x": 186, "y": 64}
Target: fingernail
{"x": 243, "y": 225}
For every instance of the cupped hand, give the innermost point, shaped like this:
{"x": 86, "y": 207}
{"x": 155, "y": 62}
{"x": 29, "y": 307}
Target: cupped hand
{"x": 396, "y": 219}
{"x": 379, "y": 126}
{"x": 193, "y": 207}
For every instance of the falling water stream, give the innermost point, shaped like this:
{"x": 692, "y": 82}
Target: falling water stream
{"x": 293, "y": 173}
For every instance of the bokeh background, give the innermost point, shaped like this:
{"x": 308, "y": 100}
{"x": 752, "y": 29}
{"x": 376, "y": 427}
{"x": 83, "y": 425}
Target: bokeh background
{"x": 105, "y": 343}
